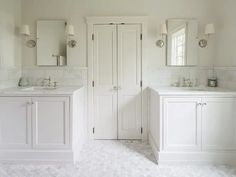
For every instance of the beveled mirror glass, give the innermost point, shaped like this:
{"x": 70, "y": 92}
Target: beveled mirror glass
{"x": 182, "y": 42}
{"x": 51, "y": 43}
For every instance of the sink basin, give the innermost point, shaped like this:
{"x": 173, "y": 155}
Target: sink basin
{"x": 195, "y": 89}
{"x": 30, "y": 89}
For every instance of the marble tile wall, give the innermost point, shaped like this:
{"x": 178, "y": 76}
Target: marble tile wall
{"x": 65, "y": 76}
{"x": 161, "y": 76}
{"x": 166, "y": 76}
{"x": 9, "y": 77}
{"x": 226, "y": 77}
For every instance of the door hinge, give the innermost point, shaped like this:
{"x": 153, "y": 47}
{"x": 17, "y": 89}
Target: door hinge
{"x": 93, "y": 37}
{"x": 141, "y": 130}
{"x": 141, "y": 36}
{"x": 141, "y": 83}
{"x": 93, "y": 130}
{"x": 93, "y": 84}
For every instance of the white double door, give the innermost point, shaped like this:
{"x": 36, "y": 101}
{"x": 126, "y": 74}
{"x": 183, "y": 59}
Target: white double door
{"x": 117, "y": 81}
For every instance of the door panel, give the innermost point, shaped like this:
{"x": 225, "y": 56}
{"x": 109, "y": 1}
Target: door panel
{"x": 105, "y": 78}
{"x": 182, "y": 122}
{"x": 218, "y": 124}
{"x": 51, "y": 122}
{"x": 15, "y": 122}
{"x": 129, "y": 77}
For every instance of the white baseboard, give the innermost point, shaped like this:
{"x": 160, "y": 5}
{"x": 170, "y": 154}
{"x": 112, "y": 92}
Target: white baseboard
{"x": 196, "y": 158}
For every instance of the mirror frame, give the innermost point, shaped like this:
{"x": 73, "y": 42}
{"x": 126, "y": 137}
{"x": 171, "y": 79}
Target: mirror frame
{"x": 66, "y": 60}
{"x": 166, "y": 39}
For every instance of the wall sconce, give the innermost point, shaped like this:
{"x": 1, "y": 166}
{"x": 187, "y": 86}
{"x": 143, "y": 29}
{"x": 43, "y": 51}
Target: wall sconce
{"x": 209, "y": 30}
{"x": 25, "y": 31}
{"x": 163, "y": 31}
{"x": 71, "y": 32}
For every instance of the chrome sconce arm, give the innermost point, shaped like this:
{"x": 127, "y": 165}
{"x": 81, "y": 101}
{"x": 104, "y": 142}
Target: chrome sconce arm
{"x": 72, "y": 43}
{"x": 163, "y": 31}
{"x": 209, "y": 30}
{"x": 25, "y": 31}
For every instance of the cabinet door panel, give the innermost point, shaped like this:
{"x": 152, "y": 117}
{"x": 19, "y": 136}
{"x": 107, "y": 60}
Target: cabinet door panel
{"x": 15, "y": 122}
{"x": 51, "y": 122}
{"x": 105, "y": 78}
{"x": 219, "y": 124}
{"x": 129, "y": 77}
{"x": 182, "y": 121}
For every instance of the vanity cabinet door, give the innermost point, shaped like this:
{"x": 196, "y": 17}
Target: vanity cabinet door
{"x": 219, "y": 124}
{"x": 15, "y": 122}
{"x": 182, "y": 124}
{"x": 51, "y": 122}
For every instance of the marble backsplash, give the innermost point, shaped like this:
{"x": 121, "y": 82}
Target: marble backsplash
{"x": 166, "y": 76}
{"x": 64, "y": 76}
{"x": 161, "y": 76}
{"x": 9, "y": 77}
{"x": 226, "y": 77}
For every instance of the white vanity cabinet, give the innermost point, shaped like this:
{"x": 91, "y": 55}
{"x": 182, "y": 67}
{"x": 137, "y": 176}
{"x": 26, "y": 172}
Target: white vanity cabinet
{"x": 42, "y": 126}
{"x": 15, "y": 122}
{"x": 193, "y": 126}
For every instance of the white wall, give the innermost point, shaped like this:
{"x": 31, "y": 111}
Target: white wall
{"x": 157, "y": 11}
{"x": 225, "y": 33}
{"x": 10, "y": 42}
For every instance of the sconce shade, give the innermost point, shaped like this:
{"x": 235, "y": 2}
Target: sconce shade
{"x": 70, "y": 30}
{"x": 163, "y": 29}
{"x": 210, "y": 29}
{"x": 25, "y": 30}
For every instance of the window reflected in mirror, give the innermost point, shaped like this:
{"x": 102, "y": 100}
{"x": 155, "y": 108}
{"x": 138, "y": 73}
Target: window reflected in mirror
{"x": 182, "y": 43}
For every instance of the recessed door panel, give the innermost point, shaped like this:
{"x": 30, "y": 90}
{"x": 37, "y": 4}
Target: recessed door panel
{"x": 15, "y": 122}
{"x": 218, "y": 124}
{"x": 105, "y": 79}
{"x": 129, "y": 78}
{"x": 182, "y": 122}
{"x": 51, "y": 122}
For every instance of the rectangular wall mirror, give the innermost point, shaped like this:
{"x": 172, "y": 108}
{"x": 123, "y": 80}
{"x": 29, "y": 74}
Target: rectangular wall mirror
{"x": 51, "y": 43}
{"x": 182, "y": 42}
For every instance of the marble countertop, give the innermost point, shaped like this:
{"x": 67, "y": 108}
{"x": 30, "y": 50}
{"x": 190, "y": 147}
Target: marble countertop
{"x": 40, "y": 91}
{"x": 193, "y": 91}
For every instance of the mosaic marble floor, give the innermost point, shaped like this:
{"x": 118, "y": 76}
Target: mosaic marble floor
{"x": 114, "y": 159}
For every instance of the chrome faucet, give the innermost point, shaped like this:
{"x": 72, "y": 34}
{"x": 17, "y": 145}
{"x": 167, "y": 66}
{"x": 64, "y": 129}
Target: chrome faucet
{"x": 187, "y": 83}
{"x": 48, "y": 81}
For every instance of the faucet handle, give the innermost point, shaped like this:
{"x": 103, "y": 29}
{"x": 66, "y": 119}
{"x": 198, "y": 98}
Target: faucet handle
{"x": 55, "y": 84}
